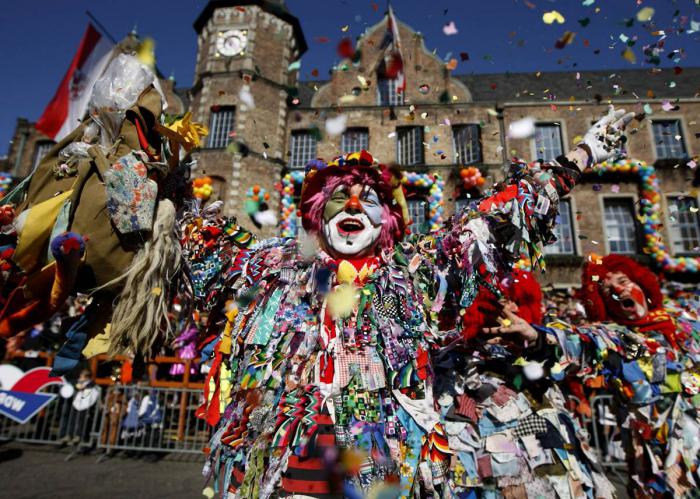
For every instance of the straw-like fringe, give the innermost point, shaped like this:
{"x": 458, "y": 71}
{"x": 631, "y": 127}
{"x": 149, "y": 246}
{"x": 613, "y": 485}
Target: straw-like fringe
{"x": 141, "y": 313}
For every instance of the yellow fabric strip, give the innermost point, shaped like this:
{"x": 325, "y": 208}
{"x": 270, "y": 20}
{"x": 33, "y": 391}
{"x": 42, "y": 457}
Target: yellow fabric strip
{"x": 36, "y": 230}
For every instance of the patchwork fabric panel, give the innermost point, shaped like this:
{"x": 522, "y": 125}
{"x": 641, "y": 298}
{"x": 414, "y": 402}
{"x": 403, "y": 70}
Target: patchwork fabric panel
{"x": 131, "y": 195}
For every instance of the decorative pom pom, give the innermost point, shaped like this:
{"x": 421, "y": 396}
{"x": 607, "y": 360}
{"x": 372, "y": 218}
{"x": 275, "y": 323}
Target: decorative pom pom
{"x": 342, "y": 300}
{"x": 533, "y": 371}
{"x": 65, "y": 243}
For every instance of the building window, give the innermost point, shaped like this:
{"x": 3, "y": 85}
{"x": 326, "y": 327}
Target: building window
{"x": 684, "y": 225}
{"x": 620, "y": 225}
{"x": 302, "y": 147}
{"x": 564, "y": 231}
{"x": 387, "y": 95}
{"x": 220, "y": 127}
{"x": 40, "y": 151}
{"x": 416, "y": 210}
{"x": 467, "y": 144}
{"x": 354, "y": 139}
{"x": 548, "y": 143}
{"x": 409, "y": 145}
{"x": 668, "y": 139}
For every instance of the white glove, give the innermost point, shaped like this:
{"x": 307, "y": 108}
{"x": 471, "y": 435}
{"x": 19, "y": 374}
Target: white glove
{"x": 605, "y": 139}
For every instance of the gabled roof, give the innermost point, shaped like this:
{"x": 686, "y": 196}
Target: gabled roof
{"x": 583, "y": 85}
{"x": 560, "y": 86}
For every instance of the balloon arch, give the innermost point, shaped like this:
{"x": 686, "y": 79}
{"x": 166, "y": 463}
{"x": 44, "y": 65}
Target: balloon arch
{"x": 650, "y": 201}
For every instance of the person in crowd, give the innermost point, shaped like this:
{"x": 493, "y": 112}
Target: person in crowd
{"x": 77, "y": 423}
{"x": 649, "y": 358}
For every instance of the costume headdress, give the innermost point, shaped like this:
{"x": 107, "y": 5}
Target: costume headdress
{"x": 386, "y": 181}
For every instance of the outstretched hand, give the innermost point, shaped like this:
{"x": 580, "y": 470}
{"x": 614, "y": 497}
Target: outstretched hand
{"x": 513, "y": 326}
{"x": 605, "y": 139}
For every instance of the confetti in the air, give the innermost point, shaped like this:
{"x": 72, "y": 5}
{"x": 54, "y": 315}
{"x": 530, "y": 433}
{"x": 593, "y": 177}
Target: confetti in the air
{"x": 553, "y": 16}
{"x": 450, "y": 29}
{"x": 336, "y": 126}
{"x": 645, "y": 14}
{"x": 522, "y": 129}
{"x": 246, "y": 97}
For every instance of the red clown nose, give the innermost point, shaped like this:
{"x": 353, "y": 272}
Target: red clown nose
{"x": 353, "y": 203}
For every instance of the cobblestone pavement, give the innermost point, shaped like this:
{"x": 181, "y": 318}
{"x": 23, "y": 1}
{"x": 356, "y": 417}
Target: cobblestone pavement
{"x": 28, "y": 472}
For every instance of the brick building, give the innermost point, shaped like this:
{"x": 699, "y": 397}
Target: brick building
{"x": 441, "y": 124}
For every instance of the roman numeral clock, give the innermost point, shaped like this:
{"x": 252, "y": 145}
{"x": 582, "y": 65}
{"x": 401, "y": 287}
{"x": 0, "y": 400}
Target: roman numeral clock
{"x": 231, "y": 43}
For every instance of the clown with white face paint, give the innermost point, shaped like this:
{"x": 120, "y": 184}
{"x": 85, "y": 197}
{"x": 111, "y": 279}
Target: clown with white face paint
{"x": 352, "y": 221}
{"x": 331, "y": 354}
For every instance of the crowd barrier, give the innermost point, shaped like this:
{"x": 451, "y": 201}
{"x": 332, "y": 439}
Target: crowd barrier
{"x": 59, "y": 423}
{"x": 162, "y": 419}
{"x": 152, "y": 419}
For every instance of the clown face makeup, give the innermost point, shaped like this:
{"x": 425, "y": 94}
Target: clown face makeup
{"x": 352, "y": 220}
{"x": 624, "y": 299}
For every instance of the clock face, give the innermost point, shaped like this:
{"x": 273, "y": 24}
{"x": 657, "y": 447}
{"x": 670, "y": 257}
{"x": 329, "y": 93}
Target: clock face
{"x": 232, "y": 42}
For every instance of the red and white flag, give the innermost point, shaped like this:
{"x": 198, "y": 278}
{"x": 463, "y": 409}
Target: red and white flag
{"x": 391, "y": 44}
{"x": 70, "y": 102}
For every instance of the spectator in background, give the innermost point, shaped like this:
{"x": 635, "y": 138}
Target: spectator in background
{"x": 649, "y": 360}
{"x": 75, "y": 426}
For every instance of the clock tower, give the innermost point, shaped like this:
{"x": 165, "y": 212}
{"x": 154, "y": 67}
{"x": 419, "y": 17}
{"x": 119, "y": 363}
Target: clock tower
{"x": 244, "y": 49}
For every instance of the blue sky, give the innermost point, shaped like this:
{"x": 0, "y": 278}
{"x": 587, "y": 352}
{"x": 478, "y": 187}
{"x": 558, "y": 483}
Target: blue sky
{"x": 38, "y": 37}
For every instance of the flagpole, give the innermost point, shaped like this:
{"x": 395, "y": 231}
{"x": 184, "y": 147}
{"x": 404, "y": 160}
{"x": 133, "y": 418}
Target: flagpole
{"x": 100, "y": 26}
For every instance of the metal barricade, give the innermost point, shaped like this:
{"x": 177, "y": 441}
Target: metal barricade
{"x": 606, "y": 433}
{"x": 57, "y": 423}
{"x": 152, "y": 419}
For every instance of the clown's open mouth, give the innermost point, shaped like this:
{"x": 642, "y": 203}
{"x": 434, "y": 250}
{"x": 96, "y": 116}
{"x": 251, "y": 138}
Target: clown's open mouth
{"x": 627, "y": 303}
{"x": 350, "y": 226}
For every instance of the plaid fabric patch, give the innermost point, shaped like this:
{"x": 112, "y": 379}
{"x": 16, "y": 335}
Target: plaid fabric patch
{"x": 365, "y": 366}
{"x": 502, "y": 395}
{"x": 531, "y": 425}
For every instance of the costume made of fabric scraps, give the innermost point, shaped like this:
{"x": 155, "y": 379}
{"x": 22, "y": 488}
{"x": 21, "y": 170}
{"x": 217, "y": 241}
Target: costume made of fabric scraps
{"x": 331, "y": 377}
{"x": 651, "y": 366}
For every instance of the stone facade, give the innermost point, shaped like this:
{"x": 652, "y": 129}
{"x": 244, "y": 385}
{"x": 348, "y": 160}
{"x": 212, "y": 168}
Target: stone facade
{"x": 259, "y": 149}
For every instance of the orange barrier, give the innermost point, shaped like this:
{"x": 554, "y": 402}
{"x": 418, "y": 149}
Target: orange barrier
{"x": 107, "y": 381}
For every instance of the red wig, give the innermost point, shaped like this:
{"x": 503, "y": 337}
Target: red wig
{"x": 520, "y": 287}
{"x": 595, "y": 272}
{"x": 523, "y": 289}
{"x": 321, "y": 185}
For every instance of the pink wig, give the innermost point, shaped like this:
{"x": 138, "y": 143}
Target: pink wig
{"x": 326, "y": 181}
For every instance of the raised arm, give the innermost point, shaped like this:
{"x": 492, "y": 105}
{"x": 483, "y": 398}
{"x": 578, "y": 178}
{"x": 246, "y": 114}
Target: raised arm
{"x": 529, "y": 198}
{"x": 479, "y": 245}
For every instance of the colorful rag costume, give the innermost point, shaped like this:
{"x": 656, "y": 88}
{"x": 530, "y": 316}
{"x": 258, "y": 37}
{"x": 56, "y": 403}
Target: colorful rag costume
{"x": 656, "y": 386}
{"x": 331, "y": 377}
{"x": 97, "y": 215}
{"x": 650, "y": 365}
